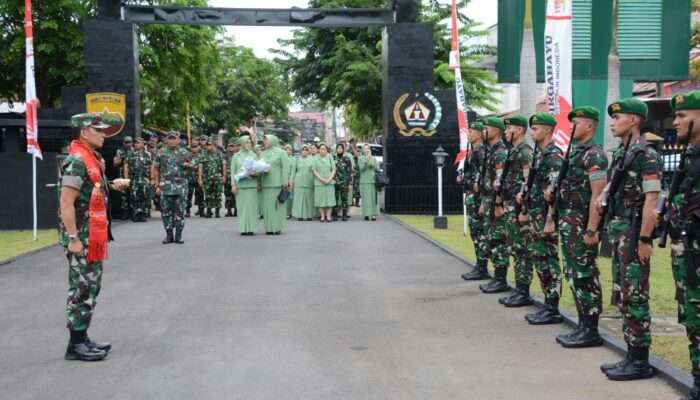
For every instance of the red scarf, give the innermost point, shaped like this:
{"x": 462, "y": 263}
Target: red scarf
{"x": 97, "y": 212}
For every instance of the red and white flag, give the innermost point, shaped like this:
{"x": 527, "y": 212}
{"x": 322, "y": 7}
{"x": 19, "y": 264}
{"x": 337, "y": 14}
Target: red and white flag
{"x": 459, "y": 91}
{"x": 557, "y": 67}
{"x": 32, "y": 103}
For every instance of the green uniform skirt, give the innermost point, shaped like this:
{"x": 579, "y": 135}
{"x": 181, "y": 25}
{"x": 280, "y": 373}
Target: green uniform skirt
{"x": 273, "y": 212}
{"x": 368, "y": 193}
{"x": 324, "y": 196}
{"x": 303, "y": 203}
{"x": 247, "y": 206}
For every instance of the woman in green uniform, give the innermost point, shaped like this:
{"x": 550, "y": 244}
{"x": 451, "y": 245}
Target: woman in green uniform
{"x": 303, "y": 179}
{"x": 292, "y": 164}
{"x": 313, "y": 153}
{"x": 272, "y": 183}
{"x": 246, "y": 190}
{"x": 258, "y": 153}
{"x": 368, "y": 188}
{"x": 324, "y": 184}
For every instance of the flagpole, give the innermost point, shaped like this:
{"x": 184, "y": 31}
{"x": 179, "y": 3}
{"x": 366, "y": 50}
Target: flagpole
{"x": 34, "y": 193}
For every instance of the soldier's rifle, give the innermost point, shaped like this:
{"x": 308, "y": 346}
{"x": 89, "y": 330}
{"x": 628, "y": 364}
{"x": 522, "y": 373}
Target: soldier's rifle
{"x": 678, "y": 176}
{"x": 527, "y": 190}
{"x": 614, "y": 184}
{"x": 498, "y": 189}
{"x": 563, "y": 172}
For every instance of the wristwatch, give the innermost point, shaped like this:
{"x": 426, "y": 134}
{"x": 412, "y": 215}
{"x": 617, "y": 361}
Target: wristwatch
{"x": 590, "y": 232}
{"x": 73, "y": 237}
{"x": 646, "y": 239}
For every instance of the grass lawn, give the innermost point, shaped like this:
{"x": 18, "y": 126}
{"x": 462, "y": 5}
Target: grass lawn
{"x": 662, "y": 286}
{"x": 14, "y": 243}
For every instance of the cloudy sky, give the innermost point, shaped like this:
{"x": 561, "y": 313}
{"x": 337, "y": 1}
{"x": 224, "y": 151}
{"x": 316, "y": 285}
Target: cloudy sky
{"x": 263, "y": 38}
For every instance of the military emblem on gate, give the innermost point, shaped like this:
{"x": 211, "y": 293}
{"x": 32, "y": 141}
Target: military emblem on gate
{"x": 112, "y": 106}
{"x": 417, "y": 114}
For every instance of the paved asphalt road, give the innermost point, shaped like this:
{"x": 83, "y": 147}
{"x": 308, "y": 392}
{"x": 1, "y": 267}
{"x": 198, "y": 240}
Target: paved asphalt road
{"x": 354, "y": 310}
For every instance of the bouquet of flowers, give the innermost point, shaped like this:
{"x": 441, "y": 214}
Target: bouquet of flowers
{"x": 249, "y": 166}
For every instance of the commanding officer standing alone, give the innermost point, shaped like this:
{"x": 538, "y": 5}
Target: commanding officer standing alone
{"x": 212, "y": 176}
{"x": 170, "y": 180}
{"x": 137, "y": 168}
{"x": 632, "y": 222}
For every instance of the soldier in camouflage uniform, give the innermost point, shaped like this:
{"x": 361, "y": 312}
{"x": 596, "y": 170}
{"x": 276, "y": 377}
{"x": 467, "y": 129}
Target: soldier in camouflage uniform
{"x": 153, "y": 147}
{"x": 492, "y": 206}
{"x": 519, "y": 235}
{"x": 138, "y": 169}
{"x": 544, "y": 250}
{"x": 578, "y": 226}
{"x": 171, "y": 184}
{"x": 84, "y": 231}
{"x": 212, "y": 176}
{"x": 199, "y": 190}
{"x": 684, "y": 220}
{"x": 192, "y": 180}
{"x": 119, "y": 161}
{"x": 477, "y": 223}
{"x": 356, "y": 178}
{"x": 344, "y": 170}
{"x": 632, "y": 220}
{"x": 229, "y": 198}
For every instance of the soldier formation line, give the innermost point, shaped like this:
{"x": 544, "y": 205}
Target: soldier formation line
{"x": 522, "y": 203}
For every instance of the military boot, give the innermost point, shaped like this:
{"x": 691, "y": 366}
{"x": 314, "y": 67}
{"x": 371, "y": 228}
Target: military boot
{"x": 586, "y": 337}
{"x": 694, "y": 393}
{"x": 187, "y": 214}
{"x": 623, "y": 362}
{"x": 207, "y": 214}
{"x": 217, "y": 215}
{"x": 498, "y": 283}
{"x": 479, "y": 272}
{"x": 345, "y": 214}
{"x": 200, "y": 212}
{"x": 229, "y": 212}
{"x": 235, "y": 212}
{"x": 102, "y": 346}
{"x": 79, "y": 348}
{"x": 546, "y": 316}
{"x": 521, "y": 298}
{"x": 178, "y": 237}
{"x": 168, "y": 236}
{"x": 637, "y": 368}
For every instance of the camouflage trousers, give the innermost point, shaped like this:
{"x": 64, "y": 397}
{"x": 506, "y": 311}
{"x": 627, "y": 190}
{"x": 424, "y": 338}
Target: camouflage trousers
{"x": 229, "y": 198}
{"x": 630, "y": 285}
{"x": 84, "y": 284}
{"x": 498, "y": 242}
{"x": 580, "y": 266}
{"x": 478, "y": 231}
{"x": 688, "y": 294}
{"x": 342, "y": 196}
{"x": 520, "y": 237}
{"x": 173, "y": 212}
{"x": 356, "y": 187}
{"x": 139, "y": 191}
{"x": 544, "y": 255}
{"x": 125, "y": 203}
{"x": 212, "y": 192}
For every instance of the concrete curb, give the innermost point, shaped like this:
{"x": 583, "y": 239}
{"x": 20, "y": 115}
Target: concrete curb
{"x": 676, "y": 377}
{"x": 27, "y": 254}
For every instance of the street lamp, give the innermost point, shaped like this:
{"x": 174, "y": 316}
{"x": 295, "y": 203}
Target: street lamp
{"x": 440, "y": 222}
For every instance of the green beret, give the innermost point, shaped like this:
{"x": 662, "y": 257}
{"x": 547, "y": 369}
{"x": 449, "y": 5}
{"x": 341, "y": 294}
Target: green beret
{"x": 686, "y": 101}
{"x": 629, "y": 106}
{"x": 543, "y": 118}
{"x": 517, "y": 120}
{"x": 585, "y": 112}
{"x": 494, "y": 122}
{"x": 85, "y": 120}
{"x": 477, "y": 125}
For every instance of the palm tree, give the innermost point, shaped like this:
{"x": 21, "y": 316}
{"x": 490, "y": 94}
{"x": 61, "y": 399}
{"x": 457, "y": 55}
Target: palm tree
{"x": 528, "y": 65}
{"x": 610, "y": 142}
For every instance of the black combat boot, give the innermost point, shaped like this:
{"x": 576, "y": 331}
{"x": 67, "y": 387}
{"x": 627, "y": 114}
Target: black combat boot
{"x": 207, "y": 213}
{"x": 168, "y": 236}
{"x": 79, "y": 349}
{"x": 217, "y": 213}
{"x": 587, "y": 336}
{"x": 178, "y": 237}
{"x": 345, "y": 214}
{"x": 188, "y": 215}
{"x": 637, "y": 368}
{"x": 102, "y": 346}
{"x": 229, "y": 213}
{"x": 498, "y": 283}
{"x": 235, "y": 212}
{"x": 694, "y": 393}
{"x": 623, "y": 362}
{"x": 521, "y": 297}
{"x": 479, "y": 272}
{"x": 200, "y": 211}
{"x": 548, "y": 315}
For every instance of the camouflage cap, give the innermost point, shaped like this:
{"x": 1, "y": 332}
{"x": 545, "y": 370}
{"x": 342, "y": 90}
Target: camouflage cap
{"x": 589, "y": 112}
{"x": 494, "y": 122}
{"x": 543, "y": 118}
{"x": 86, "y": 120}
{"x": 517, "y": 120}
{"x": 686, "y": 101}
{"x": 128, "y": 139}
{"x": 174, "y": 134}
{"x": 202, "y": 137}
{"x": 629, "y": 106}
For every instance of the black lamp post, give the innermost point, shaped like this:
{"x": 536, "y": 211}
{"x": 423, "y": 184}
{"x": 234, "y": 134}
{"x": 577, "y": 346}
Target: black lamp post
{"x": 440, "y": 222}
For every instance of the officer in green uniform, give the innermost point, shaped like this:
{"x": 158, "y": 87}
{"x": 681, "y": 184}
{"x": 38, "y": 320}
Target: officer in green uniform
{"x": 84, "y": 230}
{"x": 684, "y": 219}
{"x": 137, "y": 168}
{"x": 519, "y": 234}
{"x": 119, "y": 161}
{"x": 212, "y": 176}
{"x": 475, "y": 167}
{"x": 630, "y": 228}
{"x": 170, "y": 175}
{"x": 229, "y": 198}
{"x": 578, "y": 226}
{"x": 544, "y": 250}
{"x": 193, "y": 190}
{"x": 492, "y": 205}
